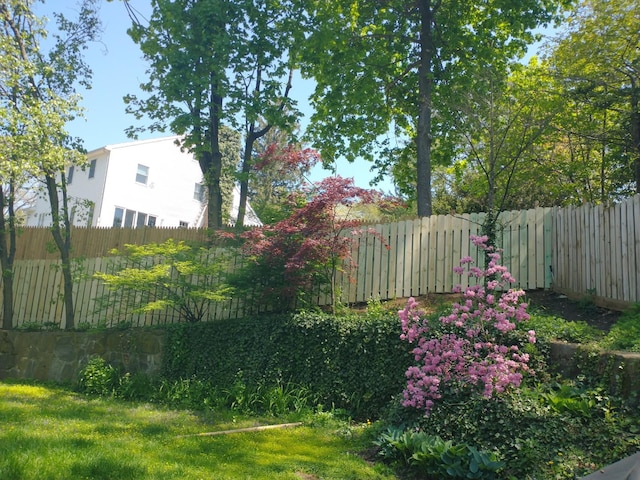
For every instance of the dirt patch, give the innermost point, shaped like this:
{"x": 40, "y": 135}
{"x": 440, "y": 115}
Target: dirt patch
{"x": 584, "y": 310}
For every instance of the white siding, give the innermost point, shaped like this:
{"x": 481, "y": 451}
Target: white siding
{"x": 167, "y": 195}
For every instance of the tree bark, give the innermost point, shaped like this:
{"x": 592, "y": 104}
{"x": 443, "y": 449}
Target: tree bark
{"x": 244, "y": 178}
{"x": 425, "y": 87}
{"x": 7, "y": 255}
{"x": 635, "y": 130}
{"x": 62, "y": 238}
{"x": 212, "y": 168}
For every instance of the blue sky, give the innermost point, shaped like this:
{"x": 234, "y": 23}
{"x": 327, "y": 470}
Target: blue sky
{"x": 118, "y": 70}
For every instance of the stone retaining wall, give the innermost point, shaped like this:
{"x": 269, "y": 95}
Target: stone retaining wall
{"x": 622, "y": 368}
{"x": 59, "y": 356}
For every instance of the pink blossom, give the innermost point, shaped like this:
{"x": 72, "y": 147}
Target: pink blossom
{"x": 472, "y": 354}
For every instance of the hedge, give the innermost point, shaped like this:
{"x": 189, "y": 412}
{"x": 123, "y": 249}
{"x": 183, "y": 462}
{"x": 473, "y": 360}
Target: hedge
{"x": 353, "y": 363}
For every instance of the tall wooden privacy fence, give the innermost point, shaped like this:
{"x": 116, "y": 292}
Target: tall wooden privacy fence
{"x": 583, "y": 250}
{"x": 597, "y": 251}
{"x": 402, "y": 259}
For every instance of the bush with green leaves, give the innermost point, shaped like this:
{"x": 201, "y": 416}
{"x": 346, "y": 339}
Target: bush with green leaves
{"x": 552, "y": 328}
{"x": 98, "y": 378}
{"x": 172, "y": 275}
{"x": 437, "y": 458}
{"x": 271, "y": 399}
{"x": 355, "y": 363}
{"x": 559, "y": 430}
{"x": 625, "y": 334}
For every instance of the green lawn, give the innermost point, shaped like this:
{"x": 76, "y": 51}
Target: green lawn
{"x": 52, "y": 433}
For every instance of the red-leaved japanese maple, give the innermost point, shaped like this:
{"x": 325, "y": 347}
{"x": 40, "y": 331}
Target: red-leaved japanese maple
{"x": 310, "y": 246}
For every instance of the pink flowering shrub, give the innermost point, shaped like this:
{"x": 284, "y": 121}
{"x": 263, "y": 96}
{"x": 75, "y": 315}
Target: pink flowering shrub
{"x": 472, "y": 347}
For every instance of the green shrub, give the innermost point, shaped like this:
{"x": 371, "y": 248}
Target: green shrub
{"x": 170, "y": 276}
{"x": 625, "y": 334}
{"x": 137, "y": 386}
{"x": 559, "y": 430}
{"x": 552, "y": 328}
{"x": 355, "y": 363}
{"x": 98, "y": 378}
{"x": 432, "y": 456}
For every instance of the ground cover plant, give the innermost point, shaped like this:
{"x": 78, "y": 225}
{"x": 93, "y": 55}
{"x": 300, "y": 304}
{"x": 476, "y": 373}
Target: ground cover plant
{"x": 52, "y": 433}
{"x": 479, "y": 401}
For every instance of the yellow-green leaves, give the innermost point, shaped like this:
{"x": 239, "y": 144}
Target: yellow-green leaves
{"x": 167, "y": 276}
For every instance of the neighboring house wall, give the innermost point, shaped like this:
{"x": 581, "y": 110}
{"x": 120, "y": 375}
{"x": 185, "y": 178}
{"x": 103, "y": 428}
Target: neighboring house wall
{"x": 148, "y": 182}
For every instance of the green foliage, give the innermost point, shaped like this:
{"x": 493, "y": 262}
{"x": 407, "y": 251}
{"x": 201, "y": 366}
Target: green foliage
{"x": 432, "y": 456}
{"x": 559, "y": 430}
{"x": 378, "y": 65}
{"x": 42, "y": 67}
{"x": 352, "y": 363}
{"x": 98, "y": 378}
{"x": 550, "y": 328}
{"x": 30, "y": 326}
{"x": 171, "y": 275}
{"x": 601, "y": 123}
{"x": 207, "y": 69}
{"x": 566, "y": 398}
{"x": 625, "y": 334}
{"x": 276, "y": 399}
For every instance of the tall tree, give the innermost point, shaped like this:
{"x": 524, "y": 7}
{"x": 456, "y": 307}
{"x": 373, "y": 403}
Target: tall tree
{"x": 212, "y": 62}
{"x": 493, "y": 123}
{"x": 391, "y": 62}
{"x": 38, "y": 97}
{"x": 598, "y": 60}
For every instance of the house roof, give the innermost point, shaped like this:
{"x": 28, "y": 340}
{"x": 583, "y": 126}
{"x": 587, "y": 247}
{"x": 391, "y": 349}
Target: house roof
{"x": 133, "y": 143}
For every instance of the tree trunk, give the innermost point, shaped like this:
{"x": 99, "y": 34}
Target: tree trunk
{"x": 7, "y": 255}
{"x": 244, "y": 178}
{"x": 61, "y": 232}
{"x": 247, "y": 157}
{"x": 635, "y": 131}
{"x": 425, "y": 84}
{"x": 212, "y": 180}
{"x": 211, "y": 159}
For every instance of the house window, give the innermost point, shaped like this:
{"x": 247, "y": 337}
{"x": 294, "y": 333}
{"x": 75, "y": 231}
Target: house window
{"x": 141, "y": 220}
{"x": 183, "y": 224}
{"x": 129, "y": 215}
{"x": 198, "y": 192}
{"x": 142, "y": 175}
{"x": 92, "y": 168}
{"x": 70, "y": 175}
{"x": 130, "y": 218}
{"x": 118, "y": 216}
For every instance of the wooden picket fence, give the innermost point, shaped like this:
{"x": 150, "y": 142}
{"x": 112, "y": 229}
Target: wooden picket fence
{"x": 578, "y": 250}
{"x": 422, "y": 253}
{"x": 597, "y": 251}
{"x": 396, "y": 260}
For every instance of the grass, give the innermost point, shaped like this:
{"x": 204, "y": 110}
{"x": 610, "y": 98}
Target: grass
{"x": 51, "y": 433}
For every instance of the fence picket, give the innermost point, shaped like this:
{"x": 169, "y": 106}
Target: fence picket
{"x": 465, "y": 231}
{"x": 624, "y": 253}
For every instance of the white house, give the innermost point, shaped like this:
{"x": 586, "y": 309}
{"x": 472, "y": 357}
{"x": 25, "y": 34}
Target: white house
{"x": 140, "y": 183}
